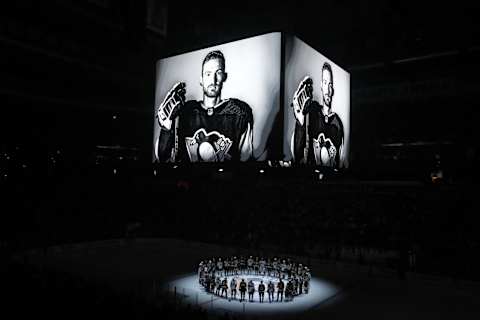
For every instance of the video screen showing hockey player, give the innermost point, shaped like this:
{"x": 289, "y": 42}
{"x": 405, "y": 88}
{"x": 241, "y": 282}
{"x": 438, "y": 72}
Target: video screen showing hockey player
{"x": 218, "y": 104}
{"x": 317, "y": 111}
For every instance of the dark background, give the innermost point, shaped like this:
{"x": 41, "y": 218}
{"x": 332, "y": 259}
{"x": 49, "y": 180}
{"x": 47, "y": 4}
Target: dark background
{"x": 76, "y": 95}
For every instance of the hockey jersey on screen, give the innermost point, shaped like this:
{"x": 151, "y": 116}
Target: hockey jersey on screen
{"x": 216, "y": 134}
{"x": 325, "y": 138}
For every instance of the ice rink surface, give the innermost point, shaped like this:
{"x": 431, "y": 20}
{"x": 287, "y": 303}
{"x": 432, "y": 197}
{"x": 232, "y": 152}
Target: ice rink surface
{"x": 344, "y": 290}
{"x": 192, "y": 292}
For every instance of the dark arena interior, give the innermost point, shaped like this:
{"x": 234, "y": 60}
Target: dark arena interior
{"x": 91, "y": 226}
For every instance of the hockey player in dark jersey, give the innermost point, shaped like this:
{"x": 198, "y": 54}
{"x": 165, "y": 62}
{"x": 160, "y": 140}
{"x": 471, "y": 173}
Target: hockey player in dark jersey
{"x": 270, "y": 290}
{"x": 224, "y": 288}
{"x": 289, "y": 289}
{"x": 233, "y": 288}
{"x": 242, "y": 264}
{"x": 300, "y": 284}
{"x": 243, "y": 289}
{"x": 261, "y": 291}
{"x": 269, "y": 267}
{"x": 212, "y": 283}
{"x": 283, "y": 269}
{"x": 280, "y": 288}
{"x": 319, "y": 135}
{"x": 218, "y": 286}
{"x": 251, "y": 290}
{"x": 201, "y": 273}
{"x": 211, "y": 130}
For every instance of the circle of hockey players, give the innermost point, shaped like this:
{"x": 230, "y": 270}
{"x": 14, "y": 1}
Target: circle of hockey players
{"x": 251, "y": 278}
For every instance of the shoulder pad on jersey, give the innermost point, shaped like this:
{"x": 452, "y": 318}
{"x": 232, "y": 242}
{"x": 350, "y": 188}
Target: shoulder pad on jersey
{"x": 236, "y": 107}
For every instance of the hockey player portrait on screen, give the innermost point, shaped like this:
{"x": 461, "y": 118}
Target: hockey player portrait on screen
{"x": 210, "y": 130}
{"x": 318, "y": 137}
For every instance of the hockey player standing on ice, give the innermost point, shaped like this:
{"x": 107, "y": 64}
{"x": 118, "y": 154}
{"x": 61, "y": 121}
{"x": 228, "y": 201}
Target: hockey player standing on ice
{"x": 251, "y": 290}
{"x": 250, "y": 265}
{"x": 275, "y": 268}
{"x": 201, "y": 273}
{"x": 283, "y": 269}
{"x": 270, "y": 290}
{"x": 242, "y": 264}
{"x": 262, "y": 268}
{"x": 319, "y": 136}
{"x": 211, "y": 130}
{"x": 243, "y": 288}
{"x": 220, "y": 266}
{"x": 261, "y": 291}
{"x": 289, "y": 291}
{"x": 218, "y": 286}
{"x": 235, "y": 265}
{"x": 280, "y": 288}
{"x": 233, "y": 288}
{"x": 224, "y": 288}
{"x": 269, "y": 267}
{"x": 226, "y": 266}
{"x": 256, "y": 266}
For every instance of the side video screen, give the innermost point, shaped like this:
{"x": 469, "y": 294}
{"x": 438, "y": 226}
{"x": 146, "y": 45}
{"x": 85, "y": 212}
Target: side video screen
{"x": 317, "y": 108}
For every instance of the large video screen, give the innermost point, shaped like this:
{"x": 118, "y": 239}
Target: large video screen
{"x": 218, "y": 104}
{"x": 316, "y": 108}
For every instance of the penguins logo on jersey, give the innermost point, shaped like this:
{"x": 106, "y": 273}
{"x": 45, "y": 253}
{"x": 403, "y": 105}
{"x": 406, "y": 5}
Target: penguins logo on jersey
{"x": 208, "y": 147}
{"x": 324, "y": 151}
